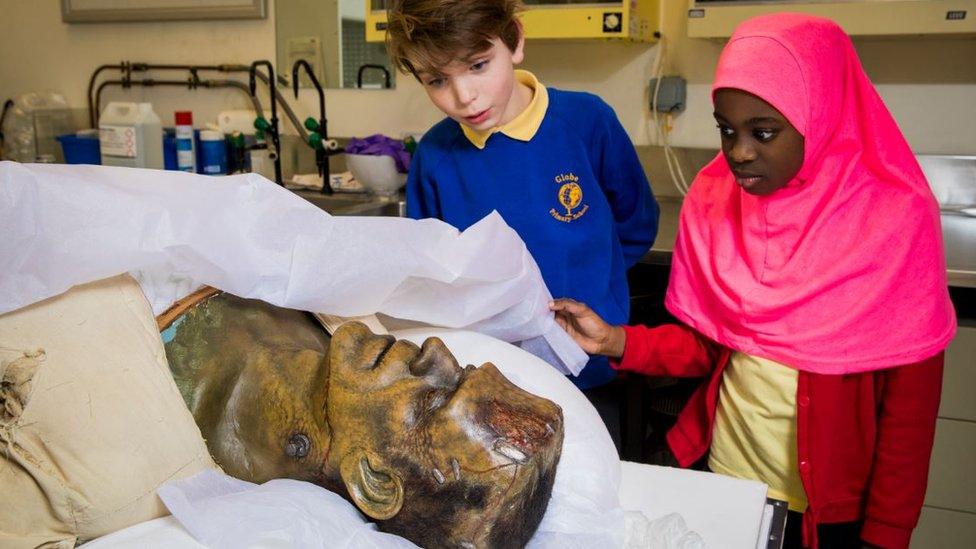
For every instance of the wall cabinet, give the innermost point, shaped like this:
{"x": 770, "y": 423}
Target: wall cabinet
{"x": 718, "y": 18}
{"x": 631, "y": 20}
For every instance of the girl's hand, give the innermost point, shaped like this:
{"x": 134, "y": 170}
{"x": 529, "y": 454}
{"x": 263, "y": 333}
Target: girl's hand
{"x": 590, "y": 332}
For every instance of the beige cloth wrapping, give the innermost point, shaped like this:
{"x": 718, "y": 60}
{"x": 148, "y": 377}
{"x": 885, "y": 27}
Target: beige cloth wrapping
{"x": 91, "y": 422}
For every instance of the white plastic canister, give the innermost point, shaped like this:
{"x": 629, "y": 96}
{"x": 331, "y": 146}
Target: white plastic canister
{"x": 131, "y": 134}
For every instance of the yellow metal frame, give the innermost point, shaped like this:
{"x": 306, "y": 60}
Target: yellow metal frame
{"x": 858, "y": 18}
{"x": 640, "y": 21}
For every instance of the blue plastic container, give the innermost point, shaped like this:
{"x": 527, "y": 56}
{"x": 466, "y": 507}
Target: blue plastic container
{"x": 80, "y": 150}
{"x": 169, "y": 150}
{"x": 213, "y": 153}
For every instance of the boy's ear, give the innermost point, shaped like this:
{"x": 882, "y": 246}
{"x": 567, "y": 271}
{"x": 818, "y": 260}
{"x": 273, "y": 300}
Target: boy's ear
{"x": 519, "y": 54}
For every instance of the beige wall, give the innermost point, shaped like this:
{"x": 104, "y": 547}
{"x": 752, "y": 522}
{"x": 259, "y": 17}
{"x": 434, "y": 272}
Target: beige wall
{"x": 929, "y": 84}
{"x": 319, "y": 18}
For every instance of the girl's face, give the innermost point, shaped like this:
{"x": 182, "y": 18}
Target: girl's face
{"x": 764, "y": 151}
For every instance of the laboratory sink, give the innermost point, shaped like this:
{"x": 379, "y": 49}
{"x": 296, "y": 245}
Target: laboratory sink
{"x": 394, "y": 208}
{"x": 357, "y": 204}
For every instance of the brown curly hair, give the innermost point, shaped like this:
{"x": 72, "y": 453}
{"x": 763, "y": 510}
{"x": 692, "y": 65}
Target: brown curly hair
{"x": 424, "y": 35}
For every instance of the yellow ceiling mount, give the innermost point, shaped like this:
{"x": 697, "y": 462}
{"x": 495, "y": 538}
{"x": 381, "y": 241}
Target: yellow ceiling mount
{"x": 628, "y": 20}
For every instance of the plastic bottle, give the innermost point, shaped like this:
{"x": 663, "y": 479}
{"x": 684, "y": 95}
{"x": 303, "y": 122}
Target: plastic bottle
{"x": 130, "y": 134}
{"x": 262, "y": 159}
{"x": 185, "y": 155}
{"x": 262, "y": 163}
{"x": 213, "y": 152}
{"x": 31, "y": 123}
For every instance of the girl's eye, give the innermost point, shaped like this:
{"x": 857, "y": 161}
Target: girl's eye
{"x": 435, "y": 82}
{"x": 764, "y": 135}
{"x": 725, "y": 131}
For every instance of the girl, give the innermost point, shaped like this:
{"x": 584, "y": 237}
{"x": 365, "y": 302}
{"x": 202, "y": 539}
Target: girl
{"x": 809, "y": 279}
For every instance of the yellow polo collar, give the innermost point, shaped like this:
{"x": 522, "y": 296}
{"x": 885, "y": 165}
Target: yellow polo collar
{"x": 524, "y": 126}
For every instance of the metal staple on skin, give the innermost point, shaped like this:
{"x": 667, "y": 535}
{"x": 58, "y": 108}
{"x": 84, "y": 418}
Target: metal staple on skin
{"x": 511, "y": 452}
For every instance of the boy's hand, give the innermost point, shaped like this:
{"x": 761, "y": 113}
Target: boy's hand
{"x": 591, "y": 332}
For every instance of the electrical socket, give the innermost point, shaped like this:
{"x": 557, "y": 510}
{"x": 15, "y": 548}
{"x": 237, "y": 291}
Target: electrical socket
{"x": 671, "y": 96}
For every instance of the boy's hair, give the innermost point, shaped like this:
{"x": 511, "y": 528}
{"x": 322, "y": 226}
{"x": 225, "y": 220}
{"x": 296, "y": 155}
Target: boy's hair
{"x": 424, "y": 35}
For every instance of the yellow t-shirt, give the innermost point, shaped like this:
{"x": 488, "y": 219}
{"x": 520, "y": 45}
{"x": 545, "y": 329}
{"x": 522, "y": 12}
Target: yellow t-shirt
{"x": 754, "y": 436}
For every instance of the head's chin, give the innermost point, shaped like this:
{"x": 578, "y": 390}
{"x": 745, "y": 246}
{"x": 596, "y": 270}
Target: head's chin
{"x": 455, "y": 514}
{"x": 522, "y": 509}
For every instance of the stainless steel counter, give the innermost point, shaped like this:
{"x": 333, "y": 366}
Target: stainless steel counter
{"x": 958, "y": 233}
{"x": 357, "y": 204}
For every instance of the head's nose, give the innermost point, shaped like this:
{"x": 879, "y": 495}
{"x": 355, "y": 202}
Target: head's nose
{"x": 436, "y": 362}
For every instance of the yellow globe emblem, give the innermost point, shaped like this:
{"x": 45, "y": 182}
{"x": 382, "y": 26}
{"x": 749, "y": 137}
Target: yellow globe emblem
{"x": 570, "y": 196}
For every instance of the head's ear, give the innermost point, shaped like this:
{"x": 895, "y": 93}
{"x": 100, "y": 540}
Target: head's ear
{"x": 376, "y": 492}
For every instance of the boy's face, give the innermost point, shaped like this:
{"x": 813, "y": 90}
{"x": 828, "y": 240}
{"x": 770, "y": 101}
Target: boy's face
{"x": 480, "y": 91}
{"x": 764, "y": 151}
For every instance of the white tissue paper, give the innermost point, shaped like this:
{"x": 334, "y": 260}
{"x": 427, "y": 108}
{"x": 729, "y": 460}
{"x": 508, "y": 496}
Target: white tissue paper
{"x": 221, "y": 512}
{"x": 667, "y": 532}
{"x": 174, "y": 231}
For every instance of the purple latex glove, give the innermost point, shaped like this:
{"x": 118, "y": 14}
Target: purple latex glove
{"x": 380, "y": 144}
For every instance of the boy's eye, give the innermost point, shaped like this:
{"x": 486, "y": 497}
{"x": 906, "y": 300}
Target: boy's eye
{"x": 479, "y": 65}
{"x": 764, "y": 135}
{"x": 435, "y": 82}
{"x": 725, "y": 131}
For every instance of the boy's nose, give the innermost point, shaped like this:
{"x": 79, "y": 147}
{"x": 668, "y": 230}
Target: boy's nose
{"x": 464, "y": 93}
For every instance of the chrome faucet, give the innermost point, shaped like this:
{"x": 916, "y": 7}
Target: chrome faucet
{"x": 318, "y": 138}
{"x": 270, "y": 127}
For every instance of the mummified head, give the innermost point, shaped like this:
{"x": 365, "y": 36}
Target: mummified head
{"x": 442, "y": 455}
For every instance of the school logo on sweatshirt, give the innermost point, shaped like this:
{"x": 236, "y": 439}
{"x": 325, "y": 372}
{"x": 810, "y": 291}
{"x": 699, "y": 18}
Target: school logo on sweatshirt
{"x": 570, "y": 197}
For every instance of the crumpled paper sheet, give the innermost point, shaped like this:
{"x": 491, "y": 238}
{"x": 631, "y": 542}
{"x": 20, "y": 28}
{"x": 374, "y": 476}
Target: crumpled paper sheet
{"x": 667, "y": 532}
{"x": 220, "y": 512}
{"x": 174, "y": 231}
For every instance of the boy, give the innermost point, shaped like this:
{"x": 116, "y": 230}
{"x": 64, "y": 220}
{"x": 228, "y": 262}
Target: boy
{"x": 556, "y": 165}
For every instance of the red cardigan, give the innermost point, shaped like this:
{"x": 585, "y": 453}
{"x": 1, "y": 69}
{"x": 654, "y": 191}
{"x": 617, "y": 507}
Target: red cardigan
{"x": 863, "y": 440}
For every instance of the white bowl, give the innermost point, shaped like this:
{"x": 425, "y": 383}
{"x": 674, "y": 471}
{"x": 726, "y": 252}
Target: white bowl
{"x": 377, "y": 173}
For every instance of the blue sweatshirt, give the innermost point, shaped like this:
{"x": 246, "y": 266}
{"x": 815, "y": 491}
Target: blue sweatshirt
{"x": 573, "y": 189}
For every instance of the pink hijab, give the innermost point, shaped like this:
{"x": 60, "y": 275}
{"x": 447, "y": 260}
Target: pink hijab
{"x": 842, "y": 270}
